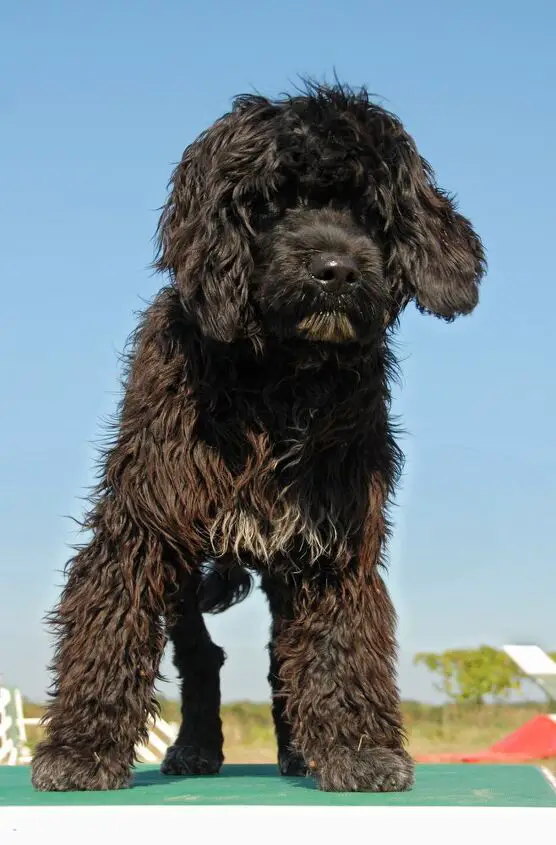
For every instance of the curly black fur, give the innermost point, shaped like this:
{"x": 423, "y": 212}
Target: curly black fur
{"x": 255, "y": 433}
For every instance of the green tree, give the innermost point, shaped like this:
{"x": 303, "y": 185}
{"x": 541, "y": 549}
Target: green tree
{"x": 471, "y": 675}
{"x": 443, "y": 666}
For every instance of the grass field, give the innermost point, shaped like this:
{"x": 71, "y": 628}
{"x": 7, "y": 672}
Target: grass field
{"x": 249, "y": 736}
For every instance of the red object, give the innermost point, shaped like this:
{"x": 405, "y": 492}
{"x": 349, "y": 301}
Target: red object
{"x": 535, "y": 740}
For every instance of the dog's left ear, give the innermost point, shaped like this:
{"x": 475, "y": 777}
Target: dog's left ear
{"x": 432, "y": 252}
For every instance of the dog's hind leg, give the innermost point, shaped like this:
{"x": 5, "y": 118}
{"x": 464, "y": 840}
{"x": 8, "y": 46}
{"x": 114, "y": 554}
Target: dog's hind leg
{"x": 290, "y": 762}
{"x": 198, "y": 747}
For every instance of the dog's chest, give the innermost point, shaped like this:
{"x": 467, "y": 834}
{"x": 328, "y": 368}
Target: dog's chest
{"x": 287, "y": 478}
{"x": 266, "y": 518}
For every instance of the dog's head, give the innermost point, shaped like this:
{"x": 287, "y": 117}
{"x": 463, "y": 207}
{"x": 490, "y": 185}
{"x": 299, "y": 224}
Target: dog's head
{"x": 313, "y": 217}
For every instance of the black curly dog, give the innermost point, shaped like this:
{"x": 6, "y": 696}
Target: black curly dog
{"x": 254, "y": 436}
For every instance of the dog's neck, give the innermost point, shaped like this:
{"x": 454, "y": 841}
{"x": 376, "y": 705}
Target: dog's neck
{"x": 293, "y": 356}
{"x": 291, "y": 382}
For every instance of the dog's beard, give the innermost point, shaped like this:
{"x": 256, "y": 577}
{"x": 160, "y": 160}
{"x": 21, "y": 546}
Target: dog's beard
{"x": 329, "y": 327}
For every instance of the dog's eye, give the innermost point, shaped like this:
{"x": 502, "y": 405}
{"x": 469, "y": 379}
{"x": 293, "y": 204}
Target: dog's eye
{"x": 265, "y": 212}
{"x": 367, "y": 217}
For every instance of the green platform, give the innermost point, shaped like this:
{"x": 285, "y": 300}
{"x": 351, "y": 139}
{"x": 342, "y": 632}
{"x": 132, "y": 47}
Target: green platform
{"x": 256, "y": 785}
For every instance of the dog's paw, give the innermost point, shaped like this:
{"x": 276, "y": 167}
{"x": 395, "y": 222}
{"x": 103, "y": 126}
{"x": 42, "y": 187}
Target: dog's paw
{"x": 185, "y": 760}
{"x": 291, "y": 764}
{"x": 367, "y": 770}
{"x": 65, "y": 769}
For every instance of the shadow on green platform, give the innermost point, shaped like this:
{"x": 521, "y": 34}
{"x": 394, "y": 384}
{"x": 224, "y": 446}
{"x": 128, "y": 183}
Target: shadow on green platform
{"x": 436, "y": 785}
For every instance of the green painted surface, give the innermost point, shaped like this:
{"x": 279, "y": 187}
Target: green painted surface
{"x": 436, "y": 785}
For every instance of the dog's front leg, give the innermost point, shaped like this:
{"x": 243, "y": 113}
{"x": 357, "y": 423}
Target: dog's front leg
{"x": 338, "y": 671}
{"x": 109, "y": 643}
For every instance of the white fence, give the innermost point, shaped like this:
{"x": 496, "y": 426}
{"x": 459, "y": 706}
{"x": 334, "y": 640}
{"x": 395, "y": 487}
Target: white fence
{"x": 13, "y": 734}
{"x": 161, "y": 735}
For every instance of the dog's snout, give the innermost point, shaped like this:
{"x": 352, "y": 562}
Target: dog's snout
{"x": 333, "y": 271}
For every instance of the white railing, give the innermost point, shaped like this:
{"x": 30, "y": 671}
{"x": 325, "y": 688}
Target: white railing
{"x": 13, "y": 734}
{"x": 161, "y": 735}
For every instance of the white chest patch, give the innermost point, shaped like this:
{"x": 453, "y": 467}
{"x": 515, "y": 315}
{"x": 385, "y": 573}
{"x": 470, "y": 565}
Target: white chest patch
{"x": 240, "y": 531}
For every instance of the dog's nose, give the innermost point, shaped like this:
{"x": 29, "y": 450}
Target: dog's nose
{"x": 333, "y": 271}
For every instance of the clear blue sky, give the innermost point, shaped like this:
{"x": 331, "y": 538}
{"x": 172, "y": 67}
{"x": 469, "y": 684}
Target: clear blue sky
{"x": 98, "y": 102}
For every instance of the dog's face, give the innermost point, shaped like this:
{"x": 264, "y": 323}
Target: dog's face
{"x": 314, "y": 218}
{"x": 319, "y": 276}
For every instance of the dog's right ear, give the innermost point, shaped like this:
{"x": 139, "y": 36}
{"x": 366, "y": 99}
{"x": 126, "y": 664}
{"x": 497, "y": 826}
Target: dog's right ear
{"x": 205, "y": 236}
